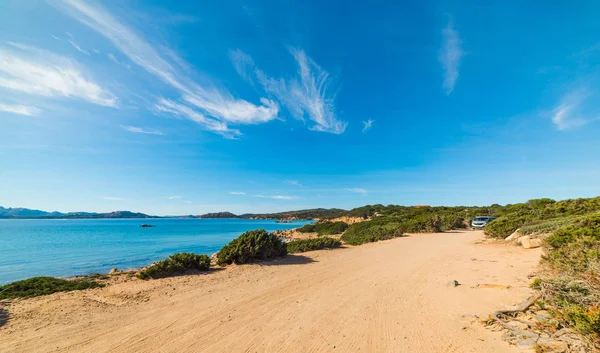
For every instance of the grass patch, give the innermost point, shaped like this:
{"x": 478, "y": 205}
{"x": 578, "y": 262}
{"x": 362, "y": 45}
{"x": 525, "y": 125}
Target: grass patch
{"x": 379, "y": 228}
{"x": 304, "y": 245}
{"x": 254, "y": 245}
{"x": 547, "y": 226}
{"x": 176, "y": 264}
{"x": 325, "y": 228}
{"x": 37, "y": 286}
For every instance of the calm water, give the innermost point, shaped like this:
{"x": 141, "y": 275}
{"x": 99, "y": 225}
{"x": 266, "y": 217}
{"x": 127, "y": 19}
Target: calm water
{"x": 63, "y": 248}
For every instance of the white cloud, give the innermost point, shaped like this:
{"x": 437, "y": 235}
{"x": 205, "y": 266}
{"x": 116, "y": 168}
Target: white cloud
{"x": 217, "y": 103}
{"x": 38, "y": 72}
{"x": 216, "y": 126}
{"x": 112, "y": 198}
{"x": 19, "y": 109}
{"x": 450, "y": 56}
{"x": 305, "y": 96}
{"x": 237, "y": 193}
{"x": 367, "y": 125}
{"x": 569, "y": 113}
{"x": 138, "y": 130}
{"x": 53, "y": 36}
{"x": 174, "y": 197}
{"x": 357, "y": 190}
{"x": 277, "y": 197}
{"x": 79, "y": 48}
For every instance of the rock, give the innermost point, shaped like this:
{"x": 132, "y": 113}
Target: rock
{"x": 514, "y": 236}
{"x": 528, "y": 343}
{"x": 551, "y": 345}
{"x": 213, "y": 258}
{"x": 542, "y": 315}
{"x": 113, "y": 271}
{"x": 518, "y": 324}
{"x": 530, "y": 243}
{"x": 523, "y": 238}
{"x": 452, "y": 284}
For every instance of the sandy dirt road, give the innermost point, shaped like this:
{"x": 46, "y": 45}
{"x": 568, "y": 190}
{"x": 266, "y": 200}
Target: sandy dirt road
{"x": 389, "y": 296}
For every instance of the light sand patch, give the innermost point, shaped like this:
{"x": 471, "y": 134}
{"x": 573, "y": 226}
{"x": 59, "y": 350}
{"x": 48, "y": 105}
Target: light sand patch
{"x": 389, "y": 296}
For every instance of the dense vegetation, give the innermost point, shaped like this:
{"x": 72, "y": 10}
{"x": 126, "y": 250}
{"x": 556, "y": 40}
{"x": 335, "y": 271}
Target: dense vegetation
{"x": 314, "y": 213}
{"x": 379, "y": 228}
{"x": 513, "y": 217}
{"x": 176, "y": 264}
{"x": 36, "y": 286}
{"x": 254, "y": 245}
{"x": 572, "y": 290}
{"x": 325, "y": 228}
{"x": 304, "y": 245}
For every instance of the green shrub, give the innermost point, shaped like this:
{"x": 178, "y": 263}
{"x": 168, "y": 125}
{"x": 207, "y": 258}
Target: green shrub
{"x": 37, "y": 286}
{"x": 325, "y": 228}
{"x": 174, "y": 264}
{"x": 254, "y": 245}
{"x": 583, "y": 227}
{"x": 546, "y": 226}
{"x": 308, "y": 228}
{"x": 502, "y": 227}
{"x": 304, "y": 245}
{"x": 371, "y": 231}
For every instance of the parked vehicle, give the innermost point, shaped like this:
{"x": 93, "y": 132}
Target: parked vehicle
{"x": 480, "y": 222}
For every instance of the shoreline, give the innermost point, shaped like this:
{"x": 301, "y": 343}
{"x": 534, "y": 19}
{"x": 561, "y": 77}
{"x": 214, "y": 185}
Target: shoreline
{"x": 99, "y": 266}
{"x": 397, "y": 288}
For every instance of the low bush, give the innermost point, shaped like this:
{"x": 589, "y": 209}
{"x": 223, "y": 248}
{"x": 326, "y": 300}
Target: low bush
{"x": 546, "y": 226}
{"x": 376, "y": 229}
{"x": 174, "y": 264}
{"x": 502, "y": 227}
{"x": 304, "y": 245}
{"x": 254, "y": 245}
{"x": 325, "y": 228}
{"x": 37, "y": 286}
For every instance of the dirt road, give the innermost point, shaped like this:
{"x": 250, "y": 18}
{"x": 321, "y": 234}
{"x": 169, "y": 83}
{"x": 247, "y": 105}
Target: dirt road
{"x": 390, "y": 296}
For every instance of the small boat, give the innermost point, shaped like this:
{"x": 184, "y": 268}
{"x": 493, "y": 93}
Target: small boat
{"x": 147, "y": 225}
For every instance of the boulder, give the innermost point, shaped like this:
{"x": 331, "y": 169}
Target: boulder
{"x": 113, "y": 271}
{"x": 514, "y": 236}
{"x": 531, "y": 243}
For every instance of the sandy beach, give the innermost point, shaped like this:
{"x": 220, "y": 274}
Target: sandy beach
{"x": 390, "y": 296}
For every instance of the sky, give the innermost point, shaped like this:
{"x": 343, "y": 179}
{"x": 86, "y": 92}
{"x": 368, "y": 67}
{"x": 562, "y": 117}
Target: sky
{"x": 188, "y": 107}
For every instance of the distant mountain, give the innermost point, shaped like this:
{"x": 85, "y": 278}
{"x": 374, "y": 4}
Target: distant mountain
{"x": 300, "y": 214}
{"x": 28, "y": 213}
{"x": 219, "y": 215}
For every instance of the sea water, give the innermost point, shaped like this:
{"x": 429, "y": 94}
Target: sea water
{"x": 70, "y": 247}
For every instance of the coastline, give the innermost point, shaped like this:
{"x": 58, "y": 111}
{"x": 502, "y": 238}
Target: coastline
{"x": 394, "y": 288}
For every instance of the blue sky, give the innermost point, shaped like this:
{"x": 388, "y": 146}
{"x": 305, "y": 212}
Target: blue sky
{"x": 189, "y": 107}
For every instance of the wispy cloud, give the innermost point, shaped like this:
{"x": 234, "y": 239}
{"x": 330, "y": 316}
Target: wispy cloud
{"x": 367, "y": 125}
{"x": 292, "y": 182}
{"x": 277, "y": 197}
{"x": 173, "y": 197}
{"x": 214, "y": 125}
{"x": 79, "y": 48}
{"x": 450, "y": 55}
{"x": 112, "y": 198}
{"x": 237, "y": 193}
{"x": 38, "y": 72}
{"x": 306, "y": 96}
{"x": 210, "y": 100}
{"x": 138, "y": 130}
{"x": 357, "y": 190}
{"x": 569, "y": 113}
{"x": 55, "y": 37}
{"x": 19, "y": 109}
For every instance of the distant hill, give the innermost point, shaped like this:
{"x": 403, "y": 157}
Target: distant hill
{"x": 219, "y": 215}
{"x": 29, "y": 213}
{"x": 300, "y": 214}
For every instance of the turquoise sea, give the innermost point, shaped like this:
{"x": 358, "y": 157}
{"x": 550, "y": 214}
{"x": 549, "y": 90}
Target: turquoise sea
{"x": 64, "y": 248}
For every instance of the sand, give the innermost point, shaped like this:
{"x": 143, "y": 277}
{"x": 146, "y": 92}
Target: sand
{"x": 390, "y": 296}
